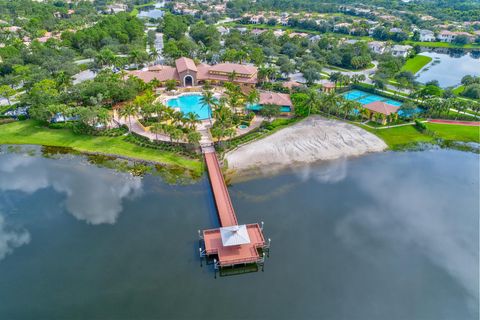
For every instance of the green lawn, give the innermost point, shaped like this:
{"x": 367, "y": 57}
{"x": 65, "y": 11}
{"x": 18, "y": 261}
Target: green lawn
{"x": 336, "y": 68}
{"x": 442, "y": 45}
{"x": 416, "y": 63}
{"x": 456, "y": 133}
{"x": 458, "y": 90}
{"x": 135, "y": 10}
{"x": 399, "y": 137}
{"x": 30, "y": 132}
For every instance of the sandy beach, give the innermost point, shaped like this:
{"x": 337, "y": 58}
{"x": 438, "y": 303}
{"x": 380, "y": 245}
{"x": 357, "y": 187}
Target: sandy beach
{"x": 308, "y": 141}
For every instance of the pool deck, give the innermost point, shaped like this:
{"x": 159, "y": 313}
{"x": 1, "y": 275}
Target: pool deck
{"x": 228, "y": 255}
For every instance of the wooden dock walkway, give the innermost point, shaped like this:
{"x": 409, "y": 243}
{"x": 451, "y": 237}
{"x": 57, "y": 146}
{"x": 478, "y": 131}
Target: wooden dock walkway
{"x": 229, "y": 255}
{"x": 226, "y": 213}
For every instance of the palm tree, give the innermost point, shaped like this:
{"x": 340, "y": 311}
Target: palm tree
{"x": 263, "y": 73}
{"x": 207, "y": 85}
{"x": 128, "y": 112}
{"x": 208, "y": 100}
{"x": 103, "y": 116}
{"x": 232, "y": 76}
{"x": 135, "y": 57}
{"x": 157, "y": 128}
{"x": 105, "y": 57}
{"x": 194, "y": 137}
{"x": 252, "y": 97}
{"x": 169, "y": 114}
{"x": 176, "y": 134}
{"x": 192, "y": 120}
{"x": 335, "y": 77}
{"x": 158, "y": 108}
{"x": 63, "y": 81}
{"x": 330, "y": 102}
{"x": 177, "y": 117}
{"x": 312, "y": 101}
{"x": 348, "y": 106}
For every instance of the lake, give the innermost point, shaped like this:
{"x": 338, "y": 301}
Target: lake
{"x": 449, "y": 69}
{"x": 392, "y": 235}
{"x": 151, "y": 12}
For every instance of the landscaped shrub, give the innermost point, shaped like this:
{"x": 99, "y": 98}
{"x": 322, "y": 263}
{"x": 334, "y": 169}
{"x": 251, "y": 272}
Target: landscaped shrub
{"x": 420, "y": 126}
{"x": 182, "y": 149}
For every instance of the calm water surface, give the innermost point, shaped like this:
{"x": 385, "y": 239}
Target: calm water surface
{"x": 385, "y": 236}
{"x": 449, "y": 69}
{"x": 151, "y": 12}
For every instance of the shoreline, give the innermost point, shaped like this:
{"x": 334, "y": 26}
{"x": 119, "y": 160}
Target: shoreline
{"x": 29, "y": 133}
{"x": 309, "y": 141}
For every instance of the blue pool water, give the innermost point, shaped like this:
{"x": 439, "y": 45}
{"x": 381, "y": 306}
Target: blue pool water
{"x": 258, "y": 107}
{"x": 190, "y": 103}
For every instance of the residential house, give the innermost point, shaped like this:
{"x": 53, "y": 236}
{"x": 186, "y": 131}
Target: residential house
{"x": 446, "y": 36}
{"x": 395, "y": 30}
{"x": 278, "y": 33}
{"x": 342, "y": 27}
{"x": 315, "y": 38}
{"x": 377, "y": 47}
{"x": 223, "y": 30}
{"x": 257, "y": 32}
{"x": 427, "y": 35}
{"x": 400, "y": 50}
{"x": 116, "y": 8}
{"x": 257, "y": 19}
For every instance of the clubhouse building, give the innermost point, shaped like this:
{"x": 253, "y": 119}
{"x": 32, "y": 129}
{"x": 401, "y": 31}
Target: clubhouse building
{"x": 187, "y": 74}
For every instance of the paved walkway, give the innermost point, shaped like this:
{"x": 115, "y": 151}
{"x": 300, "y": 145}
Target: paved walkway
{"x": 455, "y": 122}
{"x": 135, "y": 126}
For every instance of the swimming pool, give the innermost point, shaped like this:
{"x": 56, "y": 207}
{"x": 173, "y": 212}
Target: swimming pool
{"x": 190, "y": 103}
{"x": 258, "y": 107}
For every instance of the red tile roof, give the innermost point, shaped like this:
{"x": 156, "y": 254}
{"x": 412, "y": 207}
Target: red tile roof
{"x": 219, "y": 72}
{"x": 163, "y": 73}
{"x": 279, "y": 99}
{"x": 230, "y": 67}
{"x": 291, "y": 84}
{"x": 184, "y": 64}
{"x": 381, "y": 107}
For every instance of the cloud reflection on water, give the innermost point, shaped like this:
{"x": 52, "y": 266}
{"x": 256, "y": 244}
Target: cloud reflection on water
{"x": 11, "y": 238}
{"x": 325, "y": 172}
{"x": 93, "y": 194}
{"x": 407, "y": 211}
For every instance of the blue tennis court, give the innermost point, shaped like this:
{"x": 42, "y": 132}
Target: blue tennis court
{"x": 366, "y": 98}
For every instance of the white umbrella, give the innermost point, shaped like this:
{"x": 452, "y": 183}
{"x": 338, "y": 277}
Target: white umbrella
{"x": 234, "y": 235}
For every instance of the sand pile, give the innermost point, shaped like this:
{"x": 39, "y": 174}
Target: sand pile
{"x": 310, "y": 140}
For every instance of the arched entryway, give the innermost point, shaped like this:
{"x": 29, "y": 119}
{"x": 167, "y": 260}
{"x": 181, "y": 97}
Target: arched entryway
{"x": 188, "y": 81}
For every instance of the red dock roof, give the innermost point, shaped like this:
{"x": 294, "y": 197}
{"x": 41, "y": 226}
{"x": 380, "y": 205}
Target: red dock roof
{"x": 231, "y": 255}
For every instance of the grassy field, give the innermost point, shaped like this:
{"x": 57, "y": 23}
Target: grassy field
{"x": 30, "y": 132}
{"x": 399, "y": 137}
{"x": 456, "y": 133}
{"x": 136, "y": 8}
{"x": 416, "y": 63}
{"x": 370, "y": 66}
{"x": 458, "y": 90}
{"x": 442, "y": 45}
